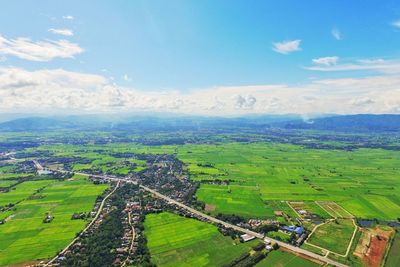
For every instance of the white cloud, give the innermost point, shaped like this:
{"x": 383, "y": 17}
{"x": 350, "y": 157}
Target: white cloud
{"x": 65, "y": 32}
{"x": 64, "y": 91}
{"x": 46, "y": 50}
{"x": 336, "y": 34}
{"x": 126, "y": 78}
{"x": 327, "y": 61}
{"x": 378, "y": 65}
{"x": 287, "y": 47}
{"x": 68, "y": 17}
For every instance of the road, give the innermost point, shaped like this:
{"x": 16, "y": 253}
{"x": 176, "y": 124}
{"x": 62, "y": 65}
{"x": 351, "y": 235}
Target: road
{"x": 215, "y": 220}
{"x": 86, "y": 228}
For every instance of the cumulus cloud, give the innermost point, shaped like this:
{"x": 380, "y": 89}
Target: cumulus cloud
{"x": 327, "y": 61}
{"x": 336, "y": 34}
{"x": 287, "y": 47}
{"x": 65, "y": 32}
{"x": 244, "y": 102}
{"x": 46, "y": 50}
{"x": 52, "y": 90}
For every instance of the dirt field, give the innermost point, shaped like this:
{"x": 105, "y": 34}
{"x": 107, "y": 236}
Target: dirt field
{"x": 371, "y": 247}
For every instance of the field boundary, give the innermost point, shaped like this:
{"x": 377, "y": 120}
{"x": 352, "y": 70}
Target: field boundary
{"x": 86, "y": 228}
{"x": 330, "y": 251}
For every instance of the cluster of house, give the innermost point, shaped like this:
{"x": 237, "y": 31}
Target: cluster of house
{"x": 256, "y": 222}
{"x": 267, "y": 241}
{"x": 129, "y": 244}
{"x": 299, "y": 231}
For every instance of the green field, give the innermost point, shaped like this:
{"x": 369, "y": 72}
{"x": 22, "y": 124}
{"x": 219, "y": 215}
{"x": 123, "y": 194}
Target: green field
{"x": 359, "y": 181}
{"x": 334, "y": 235}
{"x": 393, "y": 258}
{"x": 22, "y": 191}
{"x": 177, "y": 241}
{"x": 24, "y": 237}
{"x": 280, "y": 258}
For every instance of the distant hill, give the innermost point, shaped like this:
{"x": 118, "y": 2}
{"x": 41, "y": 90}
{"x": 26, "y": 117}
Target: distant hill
{"x": 140, "y": 123}
{"x": 348, "y": 123}
{"x": 345, "y": 123}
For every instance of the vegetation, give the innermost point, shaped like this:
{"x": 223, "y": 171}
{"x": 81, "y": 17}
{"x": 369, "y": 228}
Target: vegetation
{"x": 281, "y": 258}
{"x": 177, "y": 241}
{"x": 24, "y": 237}
{"x": 393, "y": 258}
{"x": 334, "y": 235}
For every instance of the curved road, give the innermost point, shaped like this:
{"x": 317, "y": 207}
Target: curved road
{"x": 215, "y": 220}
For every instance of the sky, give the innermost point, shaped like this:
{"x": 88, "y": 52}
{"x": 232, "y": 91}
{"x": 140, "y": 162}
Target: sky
{"x": 208, "y": 57}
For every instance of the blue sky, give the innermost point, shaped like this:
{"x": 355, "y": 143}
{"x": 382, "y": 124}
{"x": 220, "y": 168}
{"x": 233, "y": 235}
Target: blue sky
{"x": 225, "y": 57}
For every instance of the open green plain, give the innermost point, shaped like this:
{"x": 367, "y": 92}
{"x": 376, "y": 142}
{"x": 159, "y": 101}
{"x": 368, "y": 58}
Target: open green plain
{"x": 359, "y": 181}
{"x": 177, "y": 241}
{"x": 24, "y": 238}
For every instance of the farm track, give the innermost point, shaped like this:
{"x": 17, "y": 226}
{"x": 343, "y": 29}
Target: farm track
{"x": 329, "y": 251}
{"x": 205, "y": 216}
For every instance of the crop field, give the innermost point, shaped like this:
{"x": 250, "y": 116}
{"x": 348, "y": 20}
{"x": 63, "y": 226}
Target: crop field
{"x": 22, "y": 191}
{"x": 177, "y": 241}
{"x": 334, "y": 235}
{"x": 393, "y": 258}
{"x": 25, "y": 237}
{"x": 258, "y": 173}
{"x": 280, "y": 258}
{"x": 334, "y": 210}
{"x": 357, "y": 180}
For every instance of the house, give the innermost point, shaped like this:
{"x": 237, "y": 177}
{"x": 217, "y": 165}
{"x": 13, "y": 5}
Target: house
{"x": 296, "y": 229}
{"x": 247, "y": 237}
{"x": 302, "y": 212}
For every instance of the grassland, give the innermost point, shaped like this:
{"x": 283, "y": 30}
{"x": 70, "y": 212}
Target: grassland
{"x": 177, "y": 241}
{"x": 280, "y": 258}
{"x": 24, "y": 237}
{"x": 334, "y": 236}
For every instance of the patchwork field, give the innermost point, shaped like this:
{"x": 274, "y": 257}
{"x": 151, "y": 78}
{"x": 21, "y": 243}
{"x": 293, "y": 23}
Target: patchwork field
{"x": 280, "y": 258}
{"x": 357, "y": 180}
{"x": 177, "y": 241}
{"x": 334, "y": 209}
{"x": 360, "y": 181}
{"x": 334, "y": 235}
{"x": 25, "y": 237}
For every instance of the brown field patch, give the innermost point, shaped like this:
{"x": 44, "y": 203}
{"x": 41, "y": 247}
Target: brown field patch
{"x": 371, "y": 246}
{"x": 209, "y": 207}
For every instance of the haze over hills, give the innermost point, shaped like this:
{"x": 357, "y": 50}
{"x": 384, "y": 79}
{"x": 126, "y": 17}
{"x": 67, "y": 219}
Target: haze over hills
{"x": 341, "y": 123}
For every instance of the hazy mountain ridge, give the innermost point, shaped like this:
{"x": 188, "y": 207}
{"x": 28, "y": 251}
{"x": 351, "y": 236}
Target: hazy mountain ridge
{"x": 344, "y": 123}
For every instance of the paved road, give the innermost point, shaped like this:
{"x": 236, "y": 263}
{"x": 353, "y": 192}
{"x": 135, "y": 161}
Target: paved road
{"x": 215, "y": 220}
